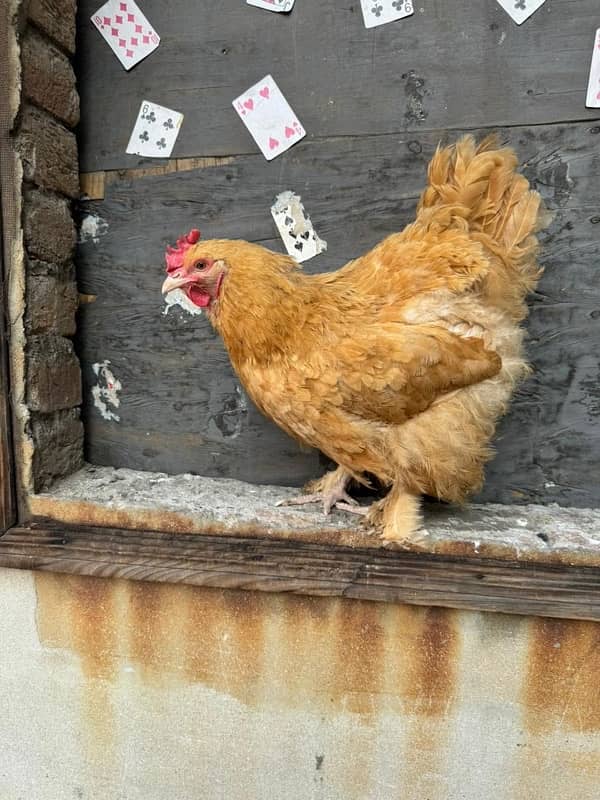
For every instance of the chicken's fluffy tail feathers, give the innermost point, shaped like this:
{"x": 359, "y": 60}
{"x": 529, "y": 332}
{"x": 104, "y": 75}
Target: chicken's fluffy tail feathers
{"x": 476, "y": 187}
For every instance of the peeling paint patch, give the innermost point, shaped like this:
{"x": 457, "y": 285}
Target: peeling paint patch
{"x": 106, "y": 391}
{"x": 415, "y": 89}
{"x": 92, "y": 228}
{"x": 178, "y": 298}
{"x": 230, "y": 421}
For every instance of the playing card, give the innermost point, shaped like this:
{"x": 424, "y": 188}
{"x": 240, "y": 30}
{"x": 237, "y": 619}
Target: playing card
{"x": 593, "y": 92}
{"x": 378, "y": 12}
{"x": 155, "y": 131}
{"x": 127, "y": 31}
{"x": 520, "y": 10}
{"x": 295, "y": 227}
{"x": 269, "y": 118}
{"x": 272, "y": 5}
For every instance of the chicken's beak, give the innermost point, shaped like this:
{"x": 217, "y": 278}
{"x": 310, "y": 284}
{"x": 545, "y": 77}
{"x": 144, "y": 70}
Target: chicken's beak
{"x": 174, "y": 282}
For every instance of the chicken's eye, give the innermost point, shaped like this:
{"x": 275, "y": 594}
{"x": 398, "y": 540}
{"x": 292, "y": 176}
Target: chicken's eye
{"x": 204, "y": 263}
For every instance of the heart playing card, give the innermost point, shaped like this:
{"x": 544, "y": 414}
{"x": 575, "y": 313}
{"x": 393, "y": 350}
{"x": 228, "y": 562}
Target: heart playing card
{"x": 272, "y": 5}
{"x": 266, "y": 113}
{"x": 520, "y": 10}
{"x": 378, "y": 12}
{"x": 155, "y": 131}
{"x": 593, "y": 93}
{"x": 127, "y": 31}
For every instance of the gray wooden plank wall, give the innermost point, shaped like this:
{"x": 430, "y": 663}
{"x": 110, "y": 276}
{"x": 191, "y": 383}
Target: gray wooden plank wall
{"x": 375, "y": 104}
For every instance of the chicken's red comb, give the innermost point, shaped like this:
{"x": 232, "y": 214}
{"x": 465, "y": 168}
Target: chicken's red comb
{"x": 174, "y": 255}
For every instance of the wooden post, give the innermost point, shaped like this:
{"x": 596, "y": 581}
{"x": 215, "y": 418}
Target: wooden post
{"x": 7, "y": 500}
{"x": 8, "y": 514}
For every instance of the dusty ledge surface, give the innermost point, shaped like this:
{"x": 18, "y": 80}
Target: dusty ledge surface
{"x": 108, "y": 497}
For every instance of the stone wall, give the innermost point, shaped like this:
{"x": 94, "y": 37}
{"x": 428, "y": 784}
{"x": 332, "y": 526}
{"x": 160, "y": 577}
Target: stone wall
{"x": 47, "y": 148}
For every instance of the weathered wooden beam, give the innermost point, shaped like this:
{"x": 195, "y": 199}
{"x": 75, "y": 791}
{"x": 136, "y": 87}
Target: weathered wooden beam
{"x": 306, "y": 568}
{"x": 93, "y": 184}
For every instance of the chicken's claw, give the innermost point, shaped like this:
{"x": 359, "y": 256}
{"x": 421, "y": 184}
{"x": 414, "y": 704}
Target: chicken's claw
{"x": 338, "y": 499}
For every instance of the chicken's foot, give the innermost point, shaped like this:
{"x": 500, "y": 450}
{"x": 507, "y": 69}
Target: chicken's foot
{"x": 330, "y": 490}
{"x": 397, "y": 517}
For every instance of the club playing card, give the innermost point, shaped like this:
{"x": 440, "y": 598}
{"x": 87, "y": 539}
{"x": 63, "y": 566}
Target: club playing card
{"x": 593, "y": 92}
{"x": 127, "y": 31}
{"x": 155, "y": 131}
{"x": 295, "y": 227}
{"x": 520, "y": 10}
{"x": 378, "y": 12}
{"x": 267, "y": 115}
{"x": 272, "y": 5}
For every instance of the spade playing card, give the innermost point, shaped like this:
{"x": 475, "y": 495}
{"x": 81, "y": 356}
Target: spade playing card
{"x": 378, "y": 12}
{"x": 295, "y": 227}
{"x": 520, "y": 10}
{"x": 155, "y": 131}
{"x": 272, "y": 5}
{"x": 593, "y": 93}
{"x": 127, "y": 31}
{"x": 268, "y": 116}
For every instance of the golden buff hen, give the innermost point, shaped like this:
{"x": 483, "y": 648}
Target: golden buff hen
{"x": 399, "y": 364}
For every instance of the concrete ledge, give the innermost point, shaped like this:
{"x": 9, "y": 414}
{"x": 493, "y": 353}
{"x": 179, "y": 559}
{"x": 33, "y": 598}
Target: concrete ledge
{"x": 187, "y": 504}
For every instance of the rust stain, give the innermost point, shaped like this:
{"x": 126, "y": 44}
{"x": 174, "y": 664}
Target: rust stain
{"x": 78, "y": 614}
{"x": 430, "y": 680}
{"x": 561, "y": 688}
{"x": 350, "y": 655}
{"x": 223, "y": 634}
{"x": 150, "y": 617}
{"x": 431, "y": 672}
{"x": 323, "y": 656}
{"x": 359, "y": 656}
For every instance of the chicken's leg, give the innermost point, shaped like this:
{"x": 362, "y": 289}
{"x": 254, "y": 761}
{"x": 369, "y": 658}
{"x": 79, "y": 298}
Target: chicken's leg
{"x": 329, "y": 490}
{"x": 397, "y": 517}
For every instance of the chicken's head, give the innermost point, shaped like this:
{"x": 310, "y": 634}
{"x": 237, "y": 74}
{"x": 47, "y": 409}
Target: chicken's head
{"x": 199, "y": 276}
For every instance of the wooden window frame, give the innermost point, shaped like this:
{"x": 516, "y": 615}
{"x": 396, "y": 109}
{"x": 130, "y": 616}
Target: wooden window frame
{"x": 485, "y": 580}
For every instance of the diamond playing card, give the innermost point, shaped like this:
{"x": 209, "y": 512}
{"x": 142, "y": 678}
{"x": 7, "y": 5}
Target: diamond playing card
{"x": 295, "y": 227}
{"x": 268, "y": 116}
{"x": 520, "y": 10}
{"x": 378, "y": 12}
{"x": 155, "y": 131}
{"x": 593, "y": 93}
{"x": 272, "y": 5}
{"x": 127, "y": 31}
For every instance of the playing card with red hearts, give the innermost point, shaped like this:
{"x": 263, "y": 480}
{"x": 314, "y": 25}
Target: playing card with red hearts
{"x": 127, "y": 31}
{"x": 266, "y": 113}
{"x": 593, "y": 92}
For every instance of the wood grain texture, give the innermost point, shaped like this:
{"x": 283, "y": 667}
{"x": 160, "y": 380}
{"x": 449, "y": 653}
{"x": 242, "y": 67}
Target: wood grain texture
{"x": 310, "y": 569}
{"x": 460, "y": 65}
{"x": 181, "y": 406}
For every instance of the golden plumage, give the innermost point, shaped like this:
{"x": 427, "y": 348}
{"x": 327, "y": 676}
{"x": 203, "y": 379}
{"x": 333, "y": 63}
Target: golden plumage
{"x": 400, "y": 363}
